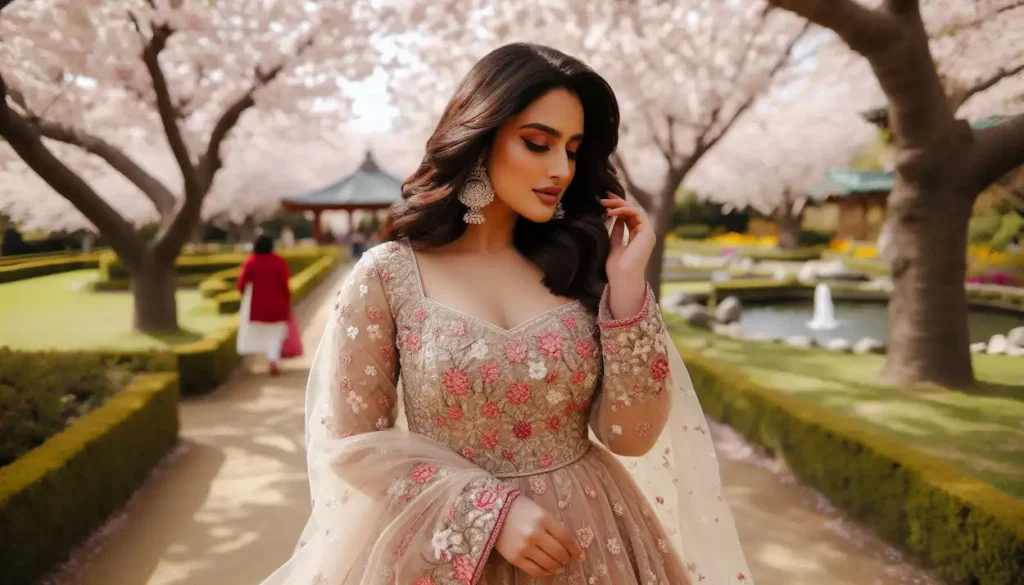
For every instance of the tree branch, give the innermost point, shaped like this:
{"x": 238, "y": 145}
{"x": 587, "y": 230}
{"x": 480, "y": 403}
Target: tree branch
{"x": 165, "y": 105}
{"x": 996, "y": 151}
{"x": 154, "y": 190}
{"x": 959, "y": 97}
{"x": 643, "y": 196}
{"x": 25, "y": 139}
{"x": 862, "y": 28}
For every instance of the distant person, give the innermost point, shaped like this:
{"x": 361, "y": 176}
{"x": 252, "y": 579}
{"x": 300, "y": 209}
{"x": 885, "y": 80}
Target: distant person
{"x": 287, "y": 237}
{"x": 266, "y": 303}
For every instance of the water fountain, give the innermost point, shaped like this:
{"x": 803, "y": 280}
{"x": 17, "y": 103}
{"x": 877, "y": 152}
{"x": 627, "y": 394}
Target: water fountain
{"x": 824, "y": 311}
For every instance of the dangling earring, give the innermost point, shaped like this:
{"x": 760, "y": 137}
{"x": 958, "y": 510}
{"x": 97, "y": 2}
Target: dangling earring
{"x": 559, "y": 211}
{"x": 476, "y": 193}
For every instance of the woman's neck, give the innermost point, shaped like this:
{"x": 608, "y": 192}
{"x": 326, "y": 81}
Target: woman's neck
{"x": 494, "y": 235}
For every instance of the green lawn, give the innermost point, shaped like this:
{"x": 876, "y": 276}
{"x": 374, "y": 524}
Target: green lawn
{"x": 694, "y": 288}
{"x": 981, "y": 433}
{"x": 61, "y": 312}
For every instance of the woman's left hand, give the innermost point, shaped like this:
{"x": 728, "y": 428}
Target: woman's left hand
{"x": 627, "y": 263}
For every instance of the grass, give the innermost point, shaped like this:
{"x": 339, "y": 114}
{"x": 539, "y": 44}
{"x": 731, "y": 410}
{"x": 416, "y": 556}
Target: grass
{"x": 61, "y": 312}
{"x": 694, "y": 288}
{"x": 981, "y": 434}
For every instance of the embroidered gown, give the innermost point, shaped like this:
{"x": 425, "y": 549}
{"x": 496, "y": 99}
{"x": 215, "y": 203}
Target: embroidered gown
{"x": 537, "y": 411}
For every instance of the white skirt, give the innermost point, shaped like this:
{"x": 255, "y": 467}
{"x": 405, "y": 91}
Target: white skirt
{"x": 256, "y": 337}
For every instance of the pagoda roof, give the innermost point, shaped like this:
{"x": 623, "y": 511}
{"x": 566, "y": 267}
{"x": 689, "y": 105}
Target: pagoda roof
{"x": 368, "y": 187}
{"x": 845, "y": 182}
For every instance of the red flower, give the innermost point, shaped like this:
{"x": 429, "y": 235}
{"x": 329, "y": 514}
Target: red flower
{"x": 569, "y": 322}
{"x": 411, "y": 340}
{"x": 547, "y": 459}
{"x": 384, "y": 403}
{"x": 420, "y": 315}
{"x": 522, "y": 430}
{"x": 455, "y": 413}
{"x": 490, "y": 410}
{"x": 659, "y": 368}
{"x": 456, "y": 381}
{"x": 489, "y": 372}
{"x": 550, "y": 343}
{"x": 485, "y": 499}
{"x": 515, "y": 351}
{"x": 385, "y": 276}
{"x": 551, "y": 378}
{"x": 423, "y": 473}
{"x": 518, "y": 393}
{"x": 490, "y": 439}
{"x": 508, "y": 454}
{"x": 554, "y": 422}
{"x": 462, "y": 566}
{"x": 468, "y": 452}
{"x": 579, "y": 377}
{"x": 585, "y": 347}
{"x": 374, "y": 313}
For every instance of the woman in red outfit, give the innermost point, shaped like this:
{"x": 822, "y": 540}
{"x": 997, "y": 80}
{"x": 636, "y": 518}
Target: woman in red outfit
{"x": 266, "y": 303}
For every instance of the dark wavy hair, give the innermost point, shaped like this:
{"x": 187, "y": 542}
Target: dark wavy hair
{"x": 571, "y": 251}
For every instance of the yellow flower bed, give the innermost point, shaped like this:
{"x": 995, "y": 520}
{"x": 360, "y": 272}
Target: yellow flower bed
{"x": 737, "y": 239}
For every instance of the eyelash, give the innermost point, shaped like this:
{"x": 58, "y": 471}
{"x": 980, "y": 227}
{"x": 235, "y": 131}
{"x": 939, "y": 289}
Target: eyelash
{"x": 538, "y": 148}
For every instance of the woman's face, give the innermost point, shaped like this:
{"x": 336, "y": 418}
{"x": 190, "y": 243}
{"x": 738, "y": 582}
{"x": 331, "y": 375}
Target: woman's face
{"x": 533, "y": 158}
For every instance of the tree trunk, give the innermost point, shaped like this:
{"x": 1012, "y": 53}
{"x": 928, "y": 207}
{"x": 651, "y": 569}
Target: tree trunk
{"x": 928, "y": 309}
{"x": 661, "y": 215}
{"x": 790, "y": 225}
{"x": 153, "y": 295}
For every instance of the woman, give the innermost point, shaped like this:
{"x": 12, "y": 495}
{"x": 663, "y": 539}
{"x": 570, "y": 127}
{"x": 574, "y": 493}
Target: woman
{"x": 518, "y": 326}
{"x": 266, "y": 303}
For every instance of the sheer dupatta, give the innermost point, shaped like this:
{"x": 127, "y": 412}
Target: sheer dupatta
{"x": 389, "y": 506}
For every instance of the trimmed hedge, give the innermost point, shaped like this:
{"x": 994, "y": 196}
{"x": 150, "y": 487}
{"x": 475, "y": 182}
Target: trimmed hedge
{"x": 125, "y": 284}
{"x": 24, "y": 270}
{"x": 970, "y": 531}
{"x": 778, "y": 255}
{"x": 60, "y": 492}
{"x": 207, "y": 264}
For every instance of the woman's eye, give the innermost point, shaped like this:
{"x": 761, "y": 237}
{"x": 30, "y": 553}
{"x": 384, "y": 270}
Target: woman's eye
{"x": 535, "y": 147}
{"x": 572, "y": 155}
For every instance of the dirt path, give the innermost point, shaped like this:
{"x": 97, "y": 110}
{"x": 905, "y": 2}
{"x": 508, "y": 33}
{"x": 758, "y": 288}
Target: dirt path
{"x": 227, "y": 507}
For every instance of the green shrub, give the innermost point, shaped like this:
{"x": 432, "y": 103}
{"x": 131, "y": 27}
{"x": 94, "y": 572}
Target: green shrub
{"x": 777, "y": 255}
{"x": 692, "y": 232}
{"x": 970, "y": 531}
{"x": 44, "y": 267}
{"x": 811, "y": 238}
{"x": 60, "y": 492}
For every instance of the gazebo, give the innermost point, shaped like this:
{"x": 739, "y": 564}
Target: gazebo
{"x": 856, "y": 193}
{"x": 368, "y": 188}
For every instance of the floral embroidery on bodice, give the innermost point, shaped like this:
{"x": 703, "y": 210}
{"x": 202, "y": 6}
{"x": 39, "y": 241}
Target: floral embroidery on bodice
{"x": 514, "y": 402}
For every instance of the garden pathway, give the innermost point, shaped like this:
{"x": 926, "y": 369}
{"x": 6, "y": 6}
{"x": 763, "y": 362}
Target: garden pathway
{"x": 227, "y": 506}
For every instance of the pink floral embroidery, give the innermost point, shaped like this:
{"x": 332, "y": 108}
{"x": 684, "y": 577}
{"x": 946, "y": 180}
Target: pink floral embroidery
{"x": 508, "y": 454}
{"x": 463, "y": 568}
{"x": 538, "y": 485}
{"x": 456, "y": 382}
{"x": 660, "y": 500}
{"x": 518, "y": 393}
{"x": 643, "y": 429}
{"x": 490, "y": 410}
{"x": 457, "y": 328}
{"x": 345, "y": 360}
{"x": 550, "y": 343}
{"x": 579, "y": 377}
{"x": 659, "y": 368}
{"x": 387, "y": 351}
{"x": 554, "y": 422}
{"x": 610, "y": 348}
{"x": 344, "y": 384}
{"x": 411, "y": 341}
{"x": 468, "y": 452}
{"x": 384, "y": 403}
{"x": 569, "y": 322}
{"x": 451, "y": 513}
{"x": 585, "y": 536}
{"x": 741, "y": 577}
{"x": 551, "y": 378}
{"x": 486, "y": 498}
{"x": 423, "y": 473}
{"x": 547, "y": 459}
{"x": 346, "y": 311}
{"x": 590, "y": 491}
{"x": 393, "y": 246}
{"x": 522, "y": 430}
{"x": 489, "y": 372}
{"x": 454, "y": 413}
{"x": 585, "y": 347}
{"x": 515, "y": 351}
{"x": 385, "y": 276}
{"x": 419, "y": 315}
{"x": 374, "y": 313}
{"x": 440, "y": 421}
{"x": 490, "y": 439}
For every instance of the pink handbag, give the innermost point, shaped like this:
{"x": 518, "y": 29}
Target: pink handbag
{"x": 292, "y": 346}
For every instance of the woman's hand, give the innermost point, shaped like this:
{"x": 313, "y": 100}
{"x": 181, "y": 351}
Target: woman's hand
{"x": 534, "y": 541}
{"x": 627, "y": 263}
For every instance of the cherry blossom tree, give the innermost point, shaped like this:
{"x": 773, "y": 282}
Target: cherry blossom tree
{"x": 683, "y": 72}
{"x": 176, "y": 77}
{"x": 942, "y": 164}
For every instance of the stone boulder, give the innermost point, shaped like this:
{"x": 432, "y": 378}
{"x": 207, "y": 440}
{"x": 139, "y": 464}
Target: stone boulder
{"x": 678, "y": 298}
{"x": 801, "y": 341}
{"x": 829, "y": 270}
{"x": 979, "y": 347}
{"x": 697, "y": 315}
{"x": 1016, "y": 336}
{"x": 868, "y": 345}
{"x": 729, "y": 330}
{"x": 839, "y": 345}
{"x": 1015, "y": 351}
{"x": 729, "y": 310}
{"x": 997, "y": 345}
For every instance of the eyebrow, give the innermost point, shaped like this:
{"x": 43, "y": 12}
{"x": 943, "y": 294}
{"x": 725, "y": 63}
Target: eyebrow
{"x": 549, "y": 130}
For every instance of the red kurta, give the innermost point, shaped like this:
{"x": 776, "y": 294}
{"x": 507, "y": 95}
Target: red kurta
{"x": 271, "y": 297}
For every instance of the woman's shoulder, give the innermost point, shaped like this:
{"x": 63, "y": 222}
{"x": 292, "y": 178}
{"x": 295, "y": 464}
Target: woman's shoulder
{"x": 393, "y": 264}
{"x": 392, "y": 256}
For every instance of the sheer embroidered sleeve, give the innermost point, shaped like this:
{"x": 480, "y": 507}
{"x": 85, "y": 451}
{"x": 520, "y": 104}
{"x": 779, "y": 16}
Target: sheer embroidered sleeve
{"x": 633, "y": 404}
